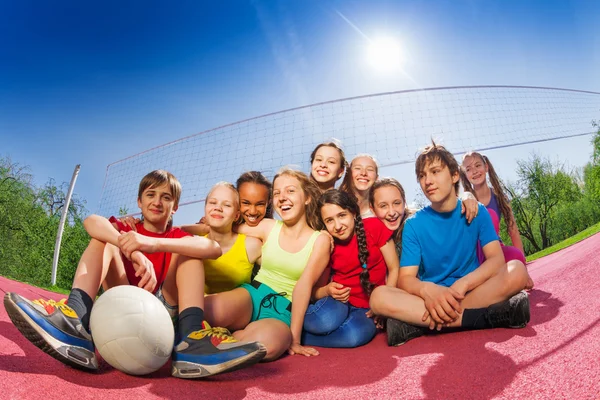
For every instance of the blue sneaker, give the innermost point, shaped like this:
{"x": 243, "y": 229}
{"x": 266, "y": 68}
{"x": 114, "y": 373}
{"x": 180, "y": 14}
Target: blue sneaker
{"x": 211, "y": 351}
{"x": 53, "y": 327}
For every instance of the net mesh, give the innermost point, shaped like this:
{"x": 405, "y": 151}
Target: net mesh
{"x": 390, "y": 126}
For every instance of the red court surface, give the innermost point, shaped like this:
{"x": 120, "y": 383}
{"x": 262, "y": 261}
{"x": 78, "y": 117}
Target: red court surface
{"x": 555, "y": 357}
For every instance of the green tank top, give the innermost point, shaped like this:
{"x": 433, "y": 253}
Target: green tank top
{"x": 280, "y": 270}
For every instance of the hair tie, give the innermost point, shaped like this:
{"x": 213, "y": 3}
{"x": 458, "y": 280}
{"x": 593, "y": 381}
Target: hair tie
{"x": 364, "y": 266}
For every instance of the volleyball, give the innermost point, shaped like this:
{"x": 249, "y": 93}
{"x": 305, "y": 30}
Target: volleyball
{"x": 132, "y": 330}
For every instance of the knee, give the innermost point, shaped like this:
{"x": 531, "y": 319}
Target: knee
{"x": 275, "y": 348}
{"x": 360, "y": 335}
{"x": 517, "y": 276}
{"x": 377, "y": 300}
{"x": 325, "y": 316}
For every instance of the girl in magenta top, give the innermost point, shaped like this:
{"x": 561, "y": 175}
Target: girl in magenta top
{"x": 363, "y": 258}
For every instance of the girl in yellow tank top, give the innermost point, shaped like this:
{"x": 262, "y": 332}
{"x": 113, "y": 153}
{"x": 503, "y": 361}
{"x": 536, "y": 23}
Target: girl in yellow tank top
{"x": 240, "y": 252}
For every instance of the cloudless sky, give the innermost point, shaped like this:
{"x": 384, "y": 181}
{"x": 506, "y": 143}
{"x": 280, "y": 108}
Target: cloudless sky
{"x": 91, "y": 83}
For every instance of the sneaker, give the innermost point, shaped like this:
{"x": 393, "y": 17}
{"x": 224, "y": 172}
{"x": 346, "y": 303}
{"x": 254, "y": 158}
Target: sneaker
{"x": 399, "y": 332}
{"x": 512, "y": 313}
{"x": 211, "y": 351}
{"x": 53, "y": 327}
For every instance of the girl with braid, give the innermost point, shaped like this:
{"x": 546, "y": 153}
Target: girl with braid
{"x": 476, "y": 168}
{"x": 362, "y": 255}
{"x": 327, "y": 165}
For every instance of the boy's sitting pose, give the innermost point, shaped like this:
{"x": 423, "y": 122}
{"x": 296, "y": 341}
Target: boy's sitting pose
{"x": 441, "y": 284}
{"x": 162, "y": 260}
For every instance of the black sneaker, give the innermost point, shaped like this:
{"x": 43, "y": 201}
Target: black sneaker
{"x": 211, "y": 351}
{"x": 399, "y": 332}
{"x": 512, "y": 313}
{"x": 54, "y": 328}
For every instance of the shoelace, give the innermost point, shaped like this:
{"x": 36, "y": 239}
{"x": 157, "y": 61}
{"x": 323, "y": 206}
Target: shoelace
{"x": 51, "y": 305}
{"x": 267, "y": 302}
{"x": 218, "y": 332}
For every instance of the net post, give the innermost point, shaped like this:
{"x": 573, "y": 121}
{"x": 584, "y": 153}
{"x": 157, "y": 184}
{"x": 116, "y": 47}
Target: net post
{"x": 61, "y": 224}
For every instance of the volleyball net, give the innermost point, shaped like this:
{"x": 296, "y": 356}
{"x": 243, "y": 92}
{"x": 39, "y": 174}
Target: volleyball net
{"x": 393, "y": 127}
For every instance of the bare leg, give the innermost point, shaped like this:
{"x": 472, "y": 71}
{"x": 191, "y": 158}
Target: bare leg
{"x": 100, "y": 262}
{"x": 396, "y": 303}
{"x": 184, "y": 283}
{"x": 274, "y": 334}
{"x": 232, "y": 309}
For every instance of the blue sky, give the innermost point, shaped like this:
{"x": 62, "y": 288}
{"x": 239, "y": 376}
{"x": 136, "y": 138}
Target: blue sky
{"x": 91, "y": 83}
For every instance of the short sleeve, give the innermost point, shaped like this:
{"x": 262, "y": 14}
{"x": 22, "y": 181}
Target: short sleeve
{"x": 377, "y": 230}
{"x": 411, "y": 249}
{"x": 120, "y": 226}
{"x": 177, "y": 233}
{"x": 487, "y": 233}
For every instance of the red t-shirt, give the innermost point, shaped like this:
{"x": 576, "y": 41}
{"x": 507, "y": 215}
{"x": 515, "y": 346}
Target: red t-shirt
{"x": 346, "y": 268}
{"x": 160, "y": 260}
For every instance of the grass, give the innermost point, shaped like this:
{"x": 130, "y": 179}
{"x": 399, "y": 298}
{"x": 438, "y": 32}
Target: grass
{"x": 566, "y": 243}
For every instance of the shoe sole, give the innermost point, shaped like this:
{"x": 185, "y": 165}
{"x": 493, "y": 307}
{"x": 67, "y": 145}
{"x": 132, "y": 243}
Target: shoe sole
{"x": 189, "y": 370}
{"x": 74, "y": 356}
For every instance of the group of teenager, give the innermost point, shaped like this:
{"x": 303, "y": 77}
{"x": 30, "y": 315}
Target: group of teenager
{"x": 335, "y": 267}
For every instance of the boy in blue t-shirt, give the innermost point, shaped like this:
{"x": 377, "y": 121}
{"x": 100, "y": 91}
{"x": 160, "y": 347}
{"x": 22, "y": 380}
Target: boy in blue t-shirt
{"x": 441, "y": 284}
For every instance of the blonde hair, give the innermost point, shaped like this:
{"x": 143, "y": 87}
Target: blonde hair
{"x": 228, "y": 186}
{"x": 311, "y": 190}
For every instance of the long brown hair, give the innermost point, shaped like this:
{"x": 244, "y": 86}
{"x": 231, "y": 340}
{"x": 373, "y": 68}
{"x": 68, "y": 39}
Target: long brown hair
{"x": 347, "y": 202}
{"x": 384, "y": 182}
{"x": 347, "y": 184}
{"x": 334, "y": 145}
{"x": 498, "y": 187}
{"x": 311, "y": 190}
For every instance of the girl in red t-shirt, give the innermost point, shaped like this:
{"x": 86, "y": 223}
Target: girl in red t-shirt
{"x": 362, "y": 255}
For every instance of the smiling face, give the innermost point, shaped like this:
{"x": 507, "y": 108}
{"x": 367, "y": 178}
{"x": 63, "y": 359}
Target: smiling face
{"x": 338, "y": 221}
{"x": 389, "y": 206}
{"x": 221, "y": 209}
{"x": 475, "y": 169}
{"x": 254, "y": 199}
{"x": 157, "y": 205}
{"x": 437, "y": 183}
{"x": 289, "y": 200}
{"x": 326, "y": 167}
{"x": 364, "y": 173}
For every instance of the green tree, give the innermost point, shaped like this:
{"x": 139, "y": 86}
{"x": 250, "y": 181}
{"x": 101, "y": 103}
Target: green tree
{"x": 541, "y": 187}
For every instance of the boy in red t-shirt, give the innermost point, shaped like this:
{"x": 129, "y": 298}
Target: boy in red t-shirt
{"x": 362, "y": 257}
{"x": 153, "y": 256}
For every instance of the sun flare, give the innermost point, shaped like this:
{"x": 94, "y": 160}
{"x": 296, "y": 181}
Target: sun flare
{"x": 385, "y": 54}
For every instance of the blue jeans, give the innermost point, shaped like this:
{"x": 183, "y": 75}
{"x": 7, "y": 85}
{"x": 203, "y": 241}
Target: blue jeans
{"x": 331, "y": 323}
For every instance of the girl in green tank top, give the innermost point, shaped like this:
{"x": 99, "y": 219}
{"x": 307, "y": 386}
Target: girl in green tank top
{"x": 294, "y": 254}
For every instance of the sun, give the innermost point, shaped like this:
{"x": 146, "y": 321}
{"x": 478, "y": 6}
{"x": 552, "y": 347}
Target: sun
{"x": 385, "y": 54}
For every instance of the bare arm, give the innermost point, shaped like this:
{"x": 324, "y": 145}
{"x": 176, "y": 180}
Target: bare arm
{"x": 442, "y": 303}
{"x": 260, "y": 231}
{"x": 515, "y": 235}
{"x": 190, "y": 246}
{"x": 253, "y": 249}
{"x": 392, "y": 262}
{"x": 301, "y": 296}
{"x": 101, "y": 229}
{"x": 196, "y": 229}
{"x": 494, "y": 259}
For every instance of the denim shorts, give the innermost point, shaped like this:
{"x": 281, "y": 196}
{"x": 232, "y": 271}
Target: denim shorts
{"x": 172, "y": 310}
{"x": 267, "y": 303}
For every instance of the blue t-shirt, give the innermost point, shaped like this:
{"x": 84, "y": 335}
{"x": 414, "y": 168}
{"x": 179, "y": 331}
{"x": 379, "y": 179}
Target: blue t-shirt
{"x": 443, "y": 245}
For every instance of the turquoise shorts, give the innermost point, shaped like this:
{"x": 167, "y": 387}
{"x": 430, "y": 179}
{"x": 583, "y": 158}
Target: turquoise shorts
{"x": 267, "y": 303}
